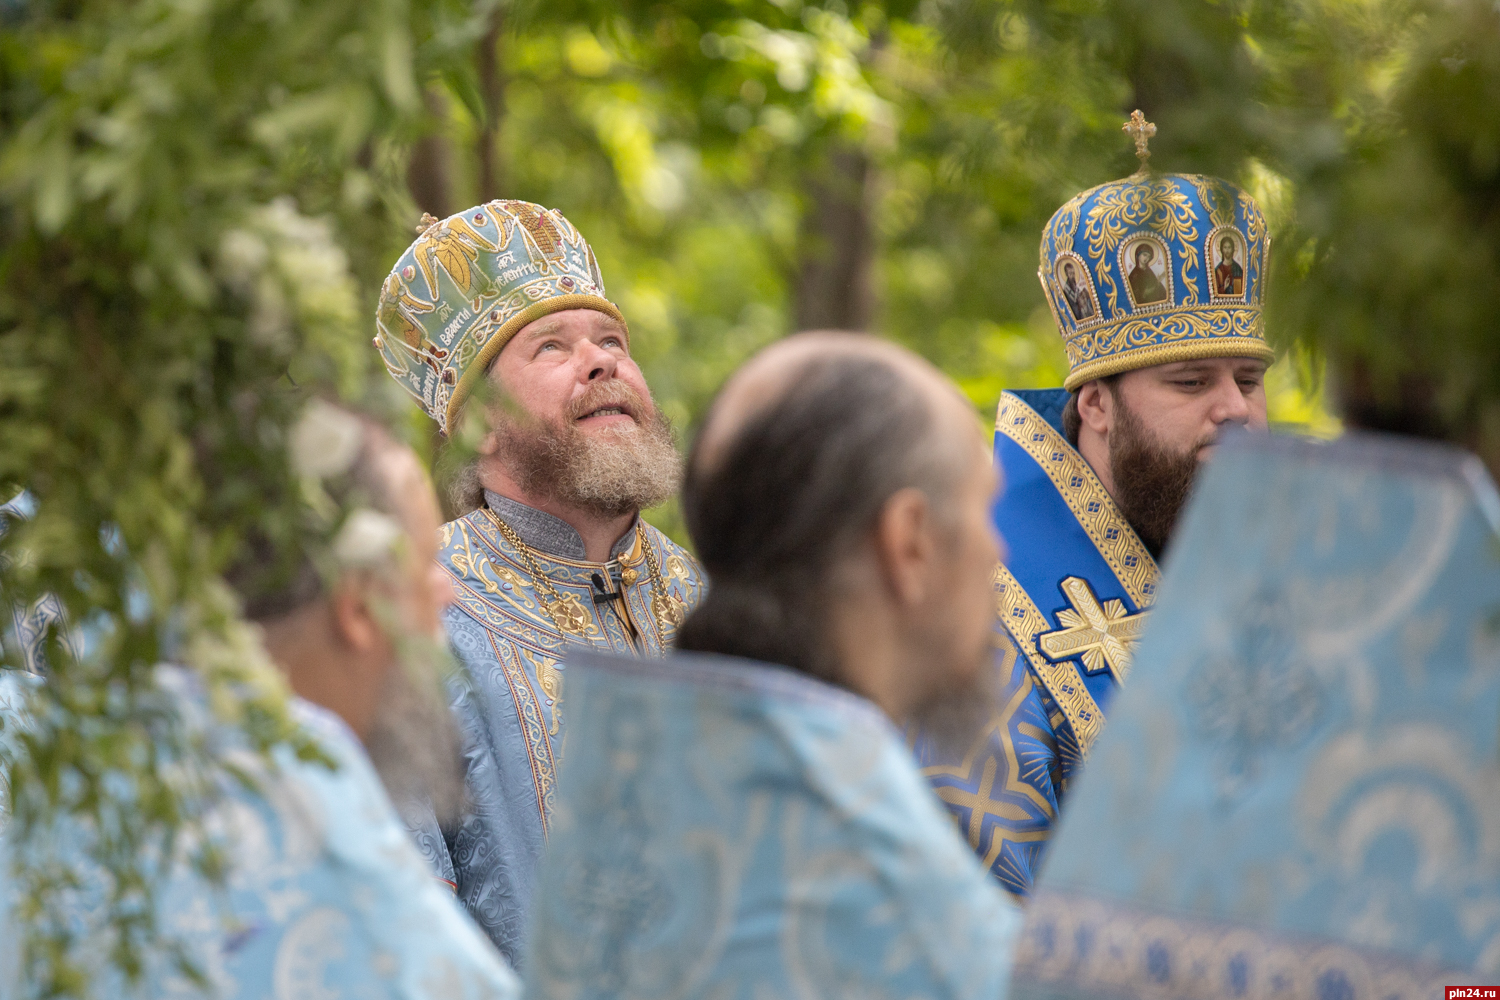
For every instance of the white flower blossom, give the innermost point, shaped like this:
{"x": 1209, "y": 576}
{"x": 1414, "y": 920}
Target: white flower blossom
{"x": 325, "y": 441}
{"x": 367, "y": 539}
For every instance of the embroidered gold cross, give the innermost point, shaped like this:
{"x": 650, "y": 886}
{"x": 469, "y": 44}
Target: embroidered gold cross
{"x": 1100, "y": 635}
{"x": 1141, "y": 131}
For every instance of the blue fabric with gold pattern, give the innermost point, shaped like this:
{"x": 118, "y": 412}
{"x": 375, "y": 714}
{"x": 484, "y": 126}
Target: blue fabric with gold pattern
{"x": 1070, "y": 597}
{"x": 1147, "y": 270}
{"x": 1299, "y": 793}
{"x": 738, "y": 830}
{"x": 510, "y": 697}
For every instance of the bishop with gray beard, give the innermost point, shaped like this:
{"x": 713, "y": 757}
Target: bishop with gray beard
{"x": 550, "y": 554}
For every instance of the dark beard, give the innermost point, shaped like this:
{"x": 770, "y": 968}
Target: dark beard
{"x": 1152, "y": 482}
{"x": 611, "y": 474}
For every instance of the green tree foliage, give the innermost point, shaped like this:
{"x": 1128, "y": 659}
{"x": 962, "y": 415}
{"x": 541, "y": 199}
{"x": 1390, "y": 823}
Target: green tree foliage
{"x": 1394, "y": 271}
{"x": 740, "y": 165}
{"x": 189, "y": 195}
{"x": 198, "y": 201}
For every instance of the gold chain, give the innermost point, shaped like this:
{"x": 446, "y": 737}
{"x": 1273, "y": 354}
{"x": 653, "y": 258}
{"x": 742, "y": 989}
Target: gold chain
{"x": 566, "y": 613}
{"x": 668, "y": 610}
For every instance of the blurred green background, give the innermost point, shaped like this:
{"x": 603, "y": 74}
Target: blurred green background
{"x": 200, "y": 198}
{"x": 744, "y": 170}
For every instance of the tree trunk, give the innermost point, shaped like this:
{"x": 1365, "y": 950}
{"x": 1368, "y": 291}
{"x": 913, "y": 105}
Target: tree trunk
{"x": 492, "y": 90}
{"x": 836, "y": 247}
{"x": 427, "y": 172}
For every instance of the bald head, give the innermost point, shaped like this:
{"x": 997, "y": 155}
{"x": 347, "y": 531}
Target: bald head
{"x": 806, "y": 450}
{"x": 767, "y": 377}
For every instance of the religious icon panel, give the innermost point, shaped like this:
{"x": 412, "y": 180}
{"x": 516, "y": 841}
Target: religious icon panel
{"x": 1076, "y": 286}
{"x": 1226, "y": 264}
{"x": 1146, "y": 263}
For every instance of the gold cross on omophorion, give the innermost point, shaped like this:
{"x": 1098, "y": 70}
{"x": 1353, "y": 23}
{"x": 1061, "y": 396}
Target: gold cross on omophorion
{"x": 1100, "y": 635}
{"x": 1141, "y": 131}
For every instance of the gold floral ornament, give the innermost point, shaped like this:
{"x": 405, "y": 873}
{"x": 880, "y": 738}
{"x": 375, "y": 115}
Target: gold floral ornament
{"x": 1155, "y": 268}
{"x": 467, "y": 285}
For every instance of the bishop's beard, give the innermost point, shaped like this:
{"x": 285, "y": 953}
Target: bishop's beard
{"x": 1152, "y": 482}
{"x": 611, "y": 472}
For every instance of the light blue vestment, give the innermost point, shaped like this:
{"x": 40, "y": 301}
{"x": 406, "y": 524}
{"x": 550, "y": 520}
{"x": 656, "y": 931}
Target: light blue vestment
{"x": 734, "y": 830}
{"x": 326, "y": 896}
{"x": 1298, "y": 795}
{"x": 510, "y": 700}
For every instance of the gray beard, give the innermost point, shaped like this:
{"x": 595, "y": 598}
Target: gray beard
{"x": 954, "y": 719}
{"x": 414, "y": 743}
{"x": 610, "y": 474}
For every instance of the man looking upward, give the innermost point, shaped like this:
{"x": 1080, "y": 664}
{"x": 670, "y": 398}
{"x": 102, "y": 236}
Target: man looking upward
{"x": 551, "y": 554}
{"x": 1096, "y": 474}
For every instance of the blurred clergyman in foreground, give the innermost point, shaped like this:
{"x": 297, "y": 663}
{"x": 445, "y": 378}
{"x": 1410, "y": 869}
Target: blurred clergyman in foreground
{"x": 743, "y": 819}
{"x": 1163, "y": 357}
{"x": 323, "y": 889}
{"x": 551, "y": 553}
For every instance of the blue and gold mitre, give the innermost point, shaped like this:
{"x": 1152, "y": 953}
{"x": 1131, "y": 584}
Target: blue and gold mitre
{"x": 467, "y": 285}
{"x": 1155, "y": 268}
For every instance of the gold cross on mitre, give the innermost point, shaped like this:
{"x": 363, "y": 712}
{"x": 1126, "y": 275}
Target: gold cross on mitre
{"x": 1141, "y": 131}
{"x": 1100, "y": 635}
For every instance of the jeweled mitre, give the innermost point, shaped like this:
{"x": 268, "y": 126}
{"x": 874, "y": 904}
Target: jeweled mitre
{"x": 467, "y": 285}
{"x": 1155, "y": 268}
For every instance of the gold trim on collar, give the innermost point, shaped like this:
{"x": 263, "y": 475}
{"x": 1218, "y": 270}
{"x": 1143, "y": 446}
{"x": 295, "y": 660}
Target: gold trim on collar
{"x": 1023, "y": 620}
{"x": 1085, "y": 496}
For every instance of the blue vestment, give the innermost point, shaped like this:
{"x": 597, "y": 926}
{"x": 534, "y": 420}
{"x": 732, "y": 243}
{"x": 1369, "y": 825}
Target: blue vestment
{"x": 510, "y": 697}
{"x": 325, "y": 896}
{"x": 732, "y": 830}
{"x": 1298, "y": 795}
{"x": 1071, "y": 598}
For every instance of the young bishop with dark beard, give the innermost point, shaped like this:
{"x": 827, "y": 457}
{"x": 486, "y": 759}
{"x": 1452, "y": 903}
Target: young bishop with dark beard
{"x": 1097, "y": 473}
{"x": 550, "y": 555}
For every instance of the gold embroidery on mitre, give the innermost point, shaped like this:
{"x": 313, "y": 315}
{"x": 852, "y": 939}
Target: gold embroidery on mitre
{"x": 539, "y": 226}
{"x": 454, "y": 246}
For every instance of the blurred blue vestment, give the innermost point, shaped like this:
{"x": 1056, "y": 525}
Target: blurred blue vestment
{"x": 325, "y": 895}
{"x": 739, "y": 831}
{"x": 1298, "y": 795}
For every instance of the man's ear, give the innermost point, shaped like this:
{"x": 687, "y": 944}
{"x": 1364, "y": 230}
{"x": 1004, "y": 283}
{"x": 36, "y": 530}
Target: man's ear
{"x": 904, "y": 545}
{"x": 354, "y": 620}
{"x": 1095, "y": 406}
